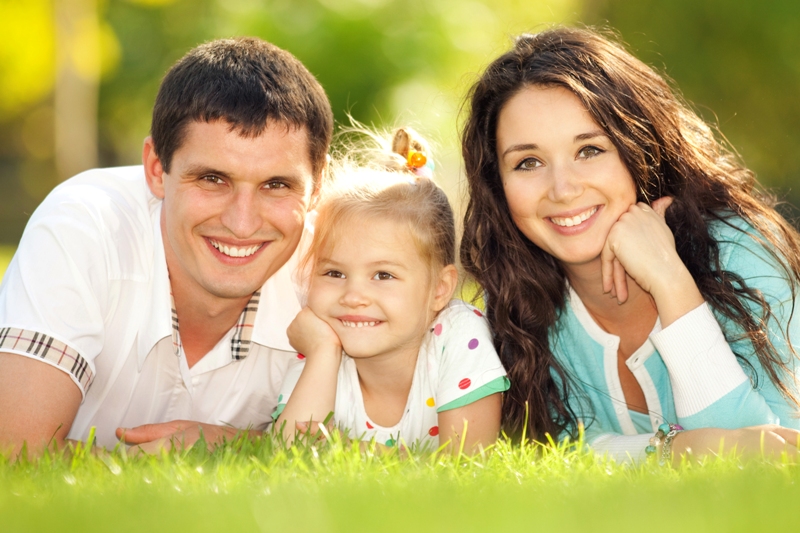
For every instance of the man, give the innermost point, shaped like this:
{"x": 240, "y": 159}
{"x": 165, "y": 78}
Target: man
{"x": 156, "y": 298}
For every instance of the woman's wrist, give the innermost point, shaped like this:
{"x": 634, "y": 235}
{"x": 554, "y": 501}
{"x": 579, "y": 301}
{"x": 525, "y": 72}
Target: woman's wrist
{"x": 676, "y": 295}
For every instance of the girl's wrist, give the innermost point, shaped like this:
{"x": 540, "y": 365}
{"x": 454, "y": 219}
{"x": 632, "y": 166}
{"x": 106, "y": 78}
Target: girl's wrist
{"x": 322, "y": 356}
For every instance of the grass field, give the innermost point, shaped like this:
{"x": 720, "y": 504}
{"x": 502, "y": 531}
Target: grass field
{"x": 260, "y": 487}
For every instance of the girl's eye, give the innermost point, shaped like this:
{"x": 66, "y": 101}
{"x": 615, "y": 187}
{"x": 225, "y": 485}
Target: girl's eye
{"x": 333, "y": 274}
{"x": 382, "y": 276}
{"x": 589, "y": 151}
{"x": 529, "y": 163}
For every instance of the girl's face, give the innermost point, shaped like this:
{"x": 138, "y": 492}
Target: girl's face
{"x": 374, "y": 290}
{"x": 563, "y": 178}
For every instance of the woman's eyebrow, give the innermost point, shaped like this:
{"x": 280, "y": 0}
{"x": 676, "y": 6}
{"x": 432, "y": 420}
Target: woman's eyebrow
{"x": 519, "y": 148}
{"x": 590, "y": 135}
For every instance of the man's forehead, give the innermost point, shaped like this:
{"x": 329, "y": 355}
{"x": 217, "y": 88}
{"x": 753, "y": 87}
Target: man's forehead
{"x": 220, "y": 143}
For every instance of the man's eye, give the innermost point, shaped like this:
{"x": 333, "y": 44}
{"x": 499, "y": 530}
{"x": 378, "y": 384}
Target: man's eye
{"x": 213, "y": 179}
{"x": 589, "y": 151}
{"x": 383, "y": 276}
{"x": 529, "y": 163}
{"x": 275, "y": 185}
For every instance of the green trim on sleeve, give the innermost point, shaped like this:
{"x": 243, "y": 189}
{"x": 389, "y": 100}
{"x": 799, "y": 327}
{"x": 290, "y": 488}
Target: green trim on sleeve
{"x": 500, "y": 384}
{"x": 279, "y": 410}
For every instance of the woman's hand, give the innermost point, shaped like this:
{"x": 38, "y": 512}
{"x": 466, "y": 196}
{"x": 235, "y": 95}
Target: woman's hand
{"x": 770, "y": 441}
{"x": 641, "y": 245}
{"x": 309, "y": 334}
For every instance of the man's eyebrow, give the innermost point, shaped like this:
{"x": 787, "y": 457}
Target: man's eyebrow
{"x": 202, "y": 170}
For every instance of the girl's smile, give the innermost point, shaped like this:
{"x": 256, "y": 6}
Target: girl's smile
{"x": 562, "y": 175}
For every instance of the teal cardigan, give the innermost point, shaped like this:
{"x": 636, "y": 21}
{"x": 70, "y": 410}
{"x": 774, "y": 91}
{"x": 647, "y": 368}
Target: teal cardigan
{"x": 688, "y": 371}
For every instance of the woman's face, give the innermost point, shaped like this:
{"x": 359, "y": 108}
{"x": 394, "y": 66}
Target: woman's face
{"x": 563, "y": 178}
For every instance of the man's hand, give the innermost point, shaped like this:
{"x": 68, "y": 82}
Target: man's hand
{"x": 152, "y": 438}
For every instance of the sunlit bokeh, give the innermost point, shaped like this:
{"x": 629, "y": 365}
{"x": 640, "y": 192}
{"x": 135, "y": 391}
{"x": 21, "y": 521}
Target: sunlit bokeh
{"x": 78, "y": 77}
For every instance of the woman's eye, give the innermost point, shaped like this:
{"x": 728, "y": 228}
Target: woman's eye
{"x": 529, "y": 163}
{"x": 382, "y": 276}
{"x": 589, "y": 151}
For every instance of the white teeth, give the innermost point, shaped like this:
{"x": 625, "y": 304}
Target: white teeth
{"x": 350, "y": 324}
{"x": 573, "y": 221}
{"x": 234, "y": 251}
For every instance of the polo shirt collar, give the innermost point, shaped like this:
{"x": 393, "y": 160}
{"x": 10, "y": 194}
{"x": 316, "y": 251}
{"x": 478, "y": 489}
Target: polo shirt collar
{"x": 242, "y": 330}
{"x": 157, "y": 310}
{"x": 279, "y": 304}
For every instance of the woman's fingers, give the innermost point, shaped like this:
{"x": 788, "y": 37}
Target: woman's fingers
{"x": 660, "y": 206}
{"x": 620, "y": 282}
{"x": 607, "y": 259}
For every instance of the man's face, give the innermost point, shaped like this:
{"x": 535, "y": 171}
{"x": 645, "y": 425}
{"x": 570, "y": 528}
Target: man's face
{"x": 234, "y": 206}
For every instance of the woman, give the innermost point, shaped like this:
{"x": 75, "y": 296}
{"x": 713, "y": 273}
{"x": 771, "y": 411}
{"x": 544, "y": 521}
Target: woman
{"x": 636, "y": 282}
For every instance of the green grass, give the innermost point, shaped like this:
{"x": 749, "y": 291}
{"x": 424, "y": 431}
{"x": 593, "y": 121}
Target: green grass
{"x": 6, "y": 252}
{"x": 246, "y": 486}
{"x": 260, "y": 487}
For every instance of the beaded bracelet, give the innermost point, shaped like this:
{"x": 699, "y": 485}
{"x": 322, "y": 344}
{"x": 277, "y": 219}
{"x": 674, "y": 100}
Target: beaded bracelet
{"x": 663, "y": 438}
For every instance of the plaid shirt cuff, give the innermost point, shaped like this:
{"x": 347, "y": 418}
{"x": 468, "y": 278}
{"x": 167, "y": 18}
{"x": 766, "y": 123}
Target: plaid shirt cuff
{"x": 46, "y": 348}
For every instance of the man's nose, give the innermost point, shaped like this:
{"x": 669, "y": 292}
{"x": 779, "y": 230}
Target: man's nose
{"x": 242, "y": 216}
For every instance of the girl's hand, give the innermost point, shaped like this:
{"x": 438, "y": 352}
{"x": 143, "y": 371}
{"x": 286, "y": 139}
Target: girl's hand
{"x": 309, "y": 334}
{"x": 641, "y": 245}
{"x": 766, "y": 441}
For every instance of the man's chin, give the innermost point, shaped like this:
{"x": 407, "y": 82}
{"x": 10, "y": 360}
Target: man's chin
{"x": 233, "y": 291}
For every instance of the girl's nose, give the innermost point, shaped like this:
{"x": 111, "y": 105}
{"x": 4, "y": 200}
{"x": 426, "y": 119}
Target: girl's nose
{"x": 354, "y": 296}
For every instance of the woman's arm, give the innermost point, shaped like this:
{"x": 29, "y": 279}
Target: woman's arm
{"x": 710, "y": 387}
{"x": 314, "y": 396}
{"x": 769, "y": 441}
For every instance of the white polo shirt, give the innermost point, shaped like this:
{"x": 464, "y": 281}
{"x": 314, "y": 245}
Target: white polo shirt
{"x": 88, "y": 293}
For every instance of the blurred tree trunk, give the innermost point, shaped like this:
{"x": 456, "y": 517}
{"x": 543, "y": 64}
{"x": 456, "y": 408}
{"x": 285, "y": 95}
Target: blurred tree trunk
{"x": 76, "y": 89}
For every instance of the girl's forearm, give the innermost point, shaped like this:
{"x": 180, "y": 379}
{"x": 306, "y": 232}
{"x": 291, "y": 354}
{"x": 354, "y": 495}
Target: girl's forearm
{"x": 314, "y": 396}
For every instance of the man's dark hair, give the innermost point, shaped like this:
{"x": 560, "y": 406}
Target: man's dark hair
{"x": 245, "y": 82}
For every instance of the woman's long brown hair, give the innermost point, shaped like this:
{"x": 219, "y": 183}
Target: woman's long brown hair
{"x": 669, "y": 151}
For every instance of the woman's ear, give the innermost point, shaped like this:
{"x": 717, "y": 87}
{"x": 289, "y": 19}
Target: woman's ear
{"x": 446, "y": 282}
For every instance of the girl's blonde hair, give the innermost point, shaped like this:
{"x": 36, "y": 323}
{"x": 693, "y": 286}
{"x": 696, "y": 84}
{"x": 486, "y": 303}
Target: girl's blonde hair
{"x": 369, "y": 184}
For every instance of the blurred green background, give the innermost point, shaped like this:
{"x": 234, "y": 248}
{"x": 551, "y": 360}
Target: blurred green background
{"x": 78, "y": 77}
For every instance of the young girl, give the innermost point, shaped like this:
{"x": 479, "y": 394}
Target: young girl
{"x": 637, "y": 282}
{"x": 381, "y": 344}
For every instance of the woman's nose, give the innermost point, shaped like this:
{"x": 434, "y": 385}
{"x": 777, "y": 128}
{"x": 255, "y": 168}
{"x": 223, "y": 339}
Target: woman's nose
{"x": 565, "y": 184}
